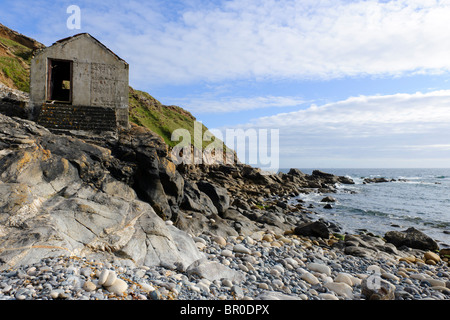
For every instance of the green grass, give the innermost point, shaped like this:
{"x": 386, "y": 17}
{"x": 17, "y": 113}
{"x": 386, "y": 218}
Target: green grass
{"x": 18, "y": 49}
{"x": 14, "y": 67}
{"x": 148, "y": 112}
{"x": 14, "y": 70}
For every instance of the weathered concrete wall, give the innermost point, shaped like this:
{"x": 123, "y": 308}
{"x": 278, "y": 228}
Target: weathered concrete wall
{"x": 99, "y": 78}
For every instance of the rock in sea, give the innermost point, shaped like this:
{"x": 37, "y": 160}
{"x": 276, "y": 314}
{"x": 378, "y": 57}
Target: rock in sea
{"x": 411, "y": 238}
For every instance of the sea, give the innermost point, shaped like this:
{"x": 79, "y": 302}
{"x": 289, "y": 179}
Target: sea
{"x": 418, "y": 198}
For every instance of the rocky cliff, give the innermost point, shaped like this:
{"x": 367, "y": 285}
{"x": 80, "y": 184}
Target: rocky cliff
{"x": 61, "y": 195}
{"x": 121, "y": 197}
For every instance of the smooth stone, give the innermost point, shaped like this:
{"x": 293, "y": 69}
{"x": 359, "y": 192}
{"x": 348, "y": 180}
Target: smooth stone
{"x": 318, "y": 267}
{"x": 89, "y": 286}
{"x": 275, "y": 273}
{"x": 199, "y": 239}
{"x": 418, "y": 276}
{"x": 279, "y": 268}
{"x": 54, "y": 294}
{"x": 263, "y": 285}
{"x": 226, "y": 253}
{"x": 291, "y": 262}
{"x": 242, "y": 267}
{"x": 278, "y": 283}
{"x": 257, "y": 236}
{"x": 156, "y": 295}
{"x": 103, "y": 276}
{"x": 436, "y": 283}
{"x": 310, "y": 278}
{"x": 390, "y": 276}
{"x": 344, "y": 278}
{"x": 219, "y": 240}
{"x": 241, "y": 249}
{"x": 431, "y": 256}
{"x": 204, "y": 287}
{"x": 328, "y": 296}
{"x": 118, "y": 287}
{"x": 227, "y": 283}
{"x": 340, "y": 288}
{"x": 213, "y": 270}
{"x": 86, "y": 272}
{"x": 110, "y": 279}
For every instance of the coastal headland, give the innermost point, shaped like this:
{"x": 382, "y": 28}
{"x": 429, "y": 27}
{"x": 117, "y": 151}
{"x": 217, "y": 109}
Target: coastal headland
{"x": 90, "y": 217}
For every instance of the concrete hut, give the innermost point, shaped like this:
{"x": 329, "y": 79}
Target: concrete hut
{"x": 79, "y": 84}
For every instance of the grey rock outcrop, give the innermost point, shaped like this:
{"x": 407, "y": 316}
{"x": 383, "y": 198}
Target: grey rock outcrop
{"x": 58, "y": 198}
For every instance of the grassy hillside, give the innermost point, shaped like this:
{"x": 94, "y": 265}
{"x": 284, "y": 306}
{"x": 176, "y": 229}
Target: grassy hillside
{"x": 148, "y": 112}
{"x": 15, "y": 61}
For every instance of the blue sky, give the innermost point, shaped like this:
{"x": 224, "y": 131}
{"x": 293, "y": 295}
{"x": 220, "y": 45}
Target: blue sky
{"x": 346, "y": 83}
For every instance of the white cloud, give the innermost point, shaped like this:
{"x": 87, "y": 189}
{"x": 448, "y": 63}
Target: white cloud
{"x": 367, "y": 129}
{"x": 215, "y": 104}
{"x": 169, "y": 42}
{"x": 285, "y": 39}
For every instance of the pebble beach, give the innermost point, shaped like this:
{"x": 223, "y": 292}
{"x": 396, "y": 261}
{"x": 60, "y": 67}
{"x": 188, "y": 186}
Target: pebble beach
{"x": 268, "y": 267}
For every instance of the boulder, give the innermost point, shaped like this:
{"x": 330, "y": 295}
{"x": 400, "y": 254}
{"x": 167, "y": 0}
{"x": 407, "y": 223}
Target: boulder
{"x": 375, "y": 180}
{"x": 328, "y": 199}
{"x": 295, "y": 172}
{"x": 314, "y": 229}
{"x": 411, "y": 238}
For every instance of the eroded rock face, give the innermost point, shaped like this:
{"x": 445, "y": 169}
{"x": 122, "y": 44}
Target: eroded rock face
{"x": 57, "y": 197}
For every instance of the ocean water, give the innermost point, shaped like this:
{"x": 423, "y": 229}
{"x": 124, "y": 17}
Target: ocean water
{"x": 421, "y": 199}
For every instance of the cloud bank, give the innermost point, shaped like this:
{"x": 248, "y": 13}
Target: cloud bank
{"x": 371, "y": 131}
{"x": 283, "y": 39}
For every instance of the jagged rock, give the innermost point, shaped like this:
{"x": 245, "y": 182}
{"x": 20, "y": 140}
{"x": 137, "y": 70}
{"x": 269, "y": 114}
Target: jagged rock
{"x": 155, "y": 179}
{"x": 296, "y": 172}
{"x": 411, "y": 238}
{"x": 14, "y": 103}
{"x": 377, "y": 180}
{"x": 218, "y": 195}
{"x": 196, "y": 200}
{"x": 58, "y": 198}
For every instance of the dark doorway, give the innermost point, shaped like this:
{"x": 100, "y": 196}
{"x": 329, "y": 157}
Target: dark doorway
{"x": 59, "y": 80}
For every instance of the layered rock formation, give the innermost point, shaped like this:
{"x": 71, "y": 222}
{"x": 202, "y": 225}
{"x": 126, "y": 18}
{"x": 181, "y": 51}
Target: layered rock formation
{"x": 119, "y": 196}
{"x": 58, "y": 197}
